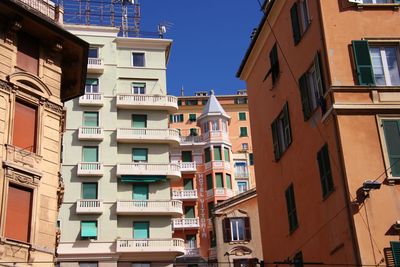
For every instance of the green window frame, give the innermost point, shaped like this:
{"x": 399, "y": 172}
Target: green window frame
{"x": 251, "y": 159}
{"x": 204, "y": 102}
{"x": 192, "y": 117}
{"x": 191, "y": 102}
{"x": 391, "y": 129}
{"x": 188, "y": 184}
{"x": 88, "y": 229}
{"x": 210, "y": 182}
{"x": 207, "y": 154}
{"x": 243, "y": 131}
{"x": 141, "y": 230}
{"x": 217, "y": 153}
{"x": 325, "y": 171}
{"x": 363, "y": 62}
{"x": 139, "y": 121}
{"x": 219, "y": 180}
{"x": 90, "y": 154}
{"x": 89, "y": 190}
{"x": 179, "y": 102}
{"x": 291, "y": 208}
{"x": 226, "y": 154}
{"x": 189, "y": 212}
{"x": 242, "y": 116}
{"x": 187, "y": 156}
{"x": 91, "y": 118}
{"x": 228, "y": 178}
{"x": 139, "y": 154}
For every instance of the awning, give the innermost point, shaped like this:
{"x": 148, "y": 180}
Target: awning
{"x": 142, "y": 178}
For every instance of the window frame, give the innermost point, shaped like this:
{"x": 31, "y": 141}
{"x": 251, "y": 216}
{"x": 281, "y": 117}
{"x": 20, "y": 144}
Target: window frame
{"x": 89, "y": 183}
{"x": 133, "y": 61}
{"x": 139, "y": 115}
{"x": 242, "y": 116}
{"x": 238, "y": 187}
{"x": 139, "y": 86}
{"x": 281, "y": 133}
{"x": 383, "y": 58}
{"x": 293, "y": 220}
{"x": 192, "y": 117}
{"x": 176, "y": 118}
{"x": 91, "y": 86}
{"x": 98, "y": 153}
{"x": 385, "y": 151}
{"x": 89, "y": 237}
{"x": 94, "y": 48}
{"x": 228, "y": 229}
{"x": 325, "y": 171}
{"x": 92, "y": 112}
{"x": 243, "y": 131}
{"x": 143, "y": 149}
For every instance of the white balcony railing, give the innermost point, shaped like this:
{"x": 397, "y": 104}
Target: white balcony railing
{"x": 171, "y": 170}
{"x": 45, "y": 7}
{"x": 184, "y": 223}
{"x": 149, "y": 207}
{"x": 127, "y": 135}
{"x": 91, "y": 99}
{"x": 90, "y": 169}
{"x": 89, "y": 206}
{"x": 218, "y": 165}
{"x": 155, "y": 102}
{"x": 171, "y": 245}
{"x": 241, "y": 174}
{"x": 90, "y": 133}
{"x": 95, "y": 65}
{"x": 192, "y": 140}
{"x": 220, "y": 192}
{"x": 217, "y": 136}
{"x": 184, "y": 194}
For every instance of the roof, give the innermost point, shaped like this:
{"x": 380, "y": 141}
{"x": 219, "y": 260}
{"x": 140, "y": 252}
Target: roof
{"x": 235, "y": 200}
{"x": 213, "y": 108}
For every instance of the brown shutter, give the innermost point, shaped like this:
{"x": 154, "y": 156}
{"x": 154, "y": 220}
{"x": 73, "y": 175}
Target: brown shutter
{"x": 28, "y": 53}
{"x": 18, "y": 216}
{"x": 24, "y": 133}
{"x": 247, "y": 229}
{"x": 226, "y": 229}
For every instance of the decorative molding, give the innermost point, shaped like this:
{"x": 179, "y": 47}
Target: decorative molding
{"x": 21, "y": 178}
{"x": 54, "y": 107}
{"x": 5, "y": 85}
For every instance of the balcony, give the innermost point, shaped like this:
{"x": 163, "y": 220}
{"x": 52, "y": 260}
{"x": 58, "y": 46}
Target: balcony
{"x": 184, "y": 194}
{"x": 89, "y": 206}
{"x": 157, "y": 136}
{"x": 192, "y": 140}
{"x": 188, "y": 166}
{"x": 90, "y": 169}
{"x": 220, "y": 192}
{"x": 192, "y": 252}
{"x": 171, "y": 170}
{"x": 46, "y": 8}
{"x": 185, "y": 223}
{"x": 149, "y": 207}
{"x": 152, "y": 102}
{"x": 218, "y": 165}
{"x": 216, "y": 136}
{"x": 151, "y": 245}
{"x": 91, "y": 99}
{"x": 95, "y": 65}
{"x": 241, "y": 174}
{"x": 90, "y": 133}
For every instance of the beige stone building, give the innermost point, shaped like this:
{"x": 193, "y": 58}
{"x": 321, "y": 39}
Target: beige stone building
{"x": 41, "y": 66}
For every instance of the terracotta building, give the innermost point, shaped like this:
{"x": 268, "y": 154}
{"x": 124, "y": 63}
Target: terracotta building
{"x": 323, "y": 84}
{"x": 41, "y": 66}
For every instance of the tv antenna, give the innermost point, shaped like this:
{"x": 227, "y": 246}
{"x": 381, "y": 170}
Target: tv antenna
{"x": 163, "y": 27}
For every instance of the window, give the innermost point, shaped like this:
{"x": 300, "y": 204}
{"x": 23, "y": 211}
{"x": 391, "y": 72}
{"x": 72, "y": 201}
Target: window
{"x": 210, "y": 183}
{"x": 312, "y": 88}
{"x": 376, "y": 1}
{"x": 295, "y": 24}
{"x": 204, "y": 101}
{"x": 241, "y": 100}
{"x": 211, "y": 206}
{"x": 139, "y": 121}
{"x": 391, "y": 128}
{"x": 140, "y": 192}
{"x": 228, "y": 181}
{"x": 325, "y": 171}
{"x": 91, "y": 118}
{"x": 192, "y": 117}
{"x": 187, "y": 156}
{"x": 179, "y": 102}
{"x": 138, "y": 59}
{"x": 274, "y": 63}
{"x": 191, "y": 102}
{"x": 207, "y": 154}
{"x": 88, "y": 230}
{"x": 217, "y": 153}
{"x": 140, "y": 264}
{"x": 236, "y": 229}
{"x": 281, "y": 133}
{"x": 242, "y": 186}
{"x": 218, "y": 180}
{"x": 245, "y": 146}
{"x": 243, "y": 131}
{"x": 241, "y": 170}
{"x": 304, "y": 15}
{"x": 89, "y": 190}
{"x": 91, "y": 86}
{"x": 141, "y": 230}
{"x": 226, "y": 154}
{"x": 224, "y": 126}
{"x": 291, "y": 208}
{"x": 206, "y": 127}
{"x": 245, "y": 262}
{"x": 139, "y": 154}
{"x": 298, "y": 259}
{"x": 189, "y": 212}
{"x": 215, "y": 125}
{"x": 28, "y": 53}
{"x": 88, "y": 264}
{"x": 395, "y": 250}
{"x": 188, "y": 184}
{"x": 193, "y": 132}
{"x": 242, "y": 116}
{"x": 93, "y": 52}
{"x": 138, "y": 88}
{"x": 90, "y": 154}
{"x": 25, "y": 124}
{"x": 18, "y": 214}
{"x": 251, "y": 159}
{"x": 176, "y": 118}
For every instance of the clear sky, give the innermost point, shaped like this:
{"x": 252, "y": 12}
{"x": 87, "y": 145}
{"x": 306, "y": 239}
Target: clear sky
{"x": 210, "y": 38}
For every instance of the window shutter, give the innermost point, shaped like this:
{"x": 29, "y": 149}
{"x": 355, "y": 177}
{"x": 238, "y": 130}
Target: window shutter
{"x": 187, "y": 184}
{"x": 247, "y": 229}
{"x": 275, "y": 142}
{"x": 25, "y": 126}
{"x": 187, "y": 156}
{"x": 291, "y": 208}
{"x": 396, "y": 252}
{"x": 304, "y": 90}
{"x": 89, "y": 190}
{"x": 391, "y": 129}
{"x": 89, "y": 229}
{"x": 226, "y": 229}
{"x": 28, "y": 53}
{"x": 90, "y": 154}
{"x": 219, "y": 180}
{"x": 181, "y": 117}
{"x": 286, "y": 125}
{"x": 295, "y": 24}
{"x": 207, "y": 154}
{"x": 325, "y": 170}
{"x": 226, "y": 154}
{"x": 217, "y": 153}
{"x": 171, "y": 118}
{"x": 363, "y": 63}
{"x": 189, "y": 212}
{"x": 210, "y": 183}
{"x": 228, "y": 181}
{"x": 319, "y": 73}
{"x": 139, "y": 121}
{"x": 274, "y": 61}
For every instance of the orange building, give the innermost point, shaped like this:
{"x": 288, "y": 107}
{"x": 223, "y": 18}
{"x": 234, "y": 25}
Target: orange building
{"x": 216, "y": 160}
{"x": 324, "y": 91}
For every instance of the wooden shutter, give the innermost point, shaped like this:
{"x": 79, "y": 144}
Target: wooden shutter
{"x": 274, "y": 61}
{"x": 25, "y": 124}
{"x": 391, "y": 130}
{"x": 286, "y": 125}
{"x": 295, "y": 24}
{"x": 210, "y": 183}
{"x": 325, "y": 170}
{"x": 304, "y": 91}
{"x": 28, "y": 53}
{"x": 291, "y": 208}
{"x": 226, "y": 230}
{"x": 275, "y": 140}
{"x": 362, "y": 58}
{"x": 226, "y": 154}
{"x": 219, "y": 180}
{"x": 217, "y": 153}
{"x": 247, "y": 229}
{"x": 396, "y": 252}
{"x": 207, "y": 154}
{"x": 18, "y": 214}
{"x": 228, "y": 181}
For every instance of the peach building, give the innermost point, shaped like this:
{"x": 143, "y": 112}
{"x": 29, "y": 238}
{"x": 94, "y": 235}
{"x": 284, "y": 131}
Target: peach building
{"x": 324, "y": 91}
{"x": 41, "y": 66}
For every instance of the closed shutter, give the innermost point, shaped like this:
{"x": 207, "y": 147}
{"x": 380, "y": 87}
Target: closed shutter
{"x": 219, "y": 180}
{"x": 391, "y": 129}
{"x": 188, "y": 184}
{"x": 251, "y": 159}
{"x": 171, "y": 118}
{"x": 275, "y": 140}
{"x": 226, "y": 229}
{"x": 304, "y": 91}
{"x": 28, "y": 53}
{"x": 189, "y": 212}
{"x": 141, "y": 230}
{"x": 295, "y": 24}
{"x": 140, "y": 192}
{"x": 18, "y": 214}
{"x": 139, "y": 155}
{"x": 207, "y": 154}
{"x": 247, "y": 229}
{"x": 91, "y": 119}
{"x": 395, "y": 252}
{"x": 273, "y": 59}
{"x": 243, "y": 131}
{"x": 228, "y": 181}
{"x": 217, "y": 153}
{"x": 90, "y": 154}
{"x": 291, "y": 208}
{"x": 362, "y": 58}
{"x": 192, "y": 117}
{"x": 181, "y": 118}
{"x": 325, "y": 170}
{"x": 286, "y": 125}
{"x": 210, "y": 183}
{"x": 187, "y": 156}
{"x": 24, "y": 132}
{"x": 211, "y": 206}
{"x": 89, "y": 229}
{"x": 139, "y": 121}
{"x": 226, "y": 154}
{"x": 89, "y": 190}
{"x": 242, "y": 116}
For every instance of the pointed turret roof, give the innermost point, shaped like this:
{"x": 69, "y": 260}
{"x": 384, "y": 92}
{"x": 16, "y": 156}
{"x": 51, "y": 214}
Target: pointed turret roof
{"x": 213, "y": 108}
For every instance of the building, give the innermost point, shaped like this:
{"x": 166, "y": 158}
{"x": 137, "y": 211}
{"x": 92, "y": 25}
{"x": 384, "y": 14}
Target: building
{"x": 237, "y": 230}
{"x": 323, "y": 83}
{"x": 215, "y": 155}
{"x": 41, "y": 66}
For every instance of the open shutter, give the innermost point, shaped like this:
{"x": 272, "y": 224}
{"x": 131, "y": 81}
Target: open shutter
{"x": 362, "y": 58}
{"x": 286, "y": 125}
{"x": 273, "y": 58}
{"x": 319, "y": 73}
{"x": 247, "y": 229}
{"x": 391, "y": 129}
{"x": 180, "y": 117}
{"x": 171, "y": 120}
{"x": 304, "y": 91}
{"x": 274, "y": 128}
{"x": 295, "y": 24}
{"x": 228, "y": 181}
{"x": 226, "y": 229}
{"x": 396, "y": 252}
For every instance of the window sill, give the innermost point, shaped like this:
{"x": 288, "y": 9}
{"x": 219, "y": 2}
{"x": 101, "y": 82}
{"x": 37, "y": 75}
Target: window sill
{"x": 13, "y": 242}
{"x": 237, "y": 242}
{"x": 388, "y": 5}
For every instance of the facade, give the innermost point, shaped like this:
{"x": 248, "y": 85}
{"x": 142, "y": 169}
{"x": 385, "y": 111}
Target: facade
{"x": 215, "y": 155}
{"x": 325, "y": 125}
{"x": 117, "y": 208}
{"x": 41, "y": 66}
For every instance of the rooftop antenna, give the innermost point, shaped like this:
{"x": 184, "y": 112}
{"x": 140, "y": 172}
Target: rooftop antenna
{"x": 163, "y": 27}
{"x": 136, "y": 17}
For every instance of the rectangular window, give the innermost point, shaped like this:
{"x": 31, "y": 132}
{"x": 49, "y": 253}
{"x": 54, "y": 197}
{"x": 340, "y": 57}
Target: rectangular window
{"x": 140, "y": 192}
{"x": 241, "y": 100}
{"x": 304, "y": 15}
{"x": 251, "y": 159}
{"x": 241, "y": 170}
{"x": 253, "y": 262}
{"x": 18, "y": 214}
{"x": 179, "y": 102}
{"x": 141, "y": 230}
{"x": 140, "y": 264}
{"x": 91, "y": 118}
{"x": 138, "y": 59}
{"x": 90, "y": 154}
{"x": 191, "y": 102}
{"x": 91, "y": 86}
{"x": 385, "y": 65}
{"x": 88, "y": 264}
{"x": 93, "y": 52}
{"x": 88, "y": 230}
{"x": 242, "y": 186}
{"x": 281, "y": 132}
{"x": 325, "y": 171}
{"x": 138, "y": 88}
{"x": 243, "y": 131}
{"x": 139, "y": 121}
{"x": 291, "y": 208}
{"x": 206, "y": 127}
{"x": 192, "y": 117}
{"x": 391, "y": 128}
{"x": 228, "y": 181}
{"x": 176, "y": 118}
{"x": 204, "y": 102}
{"x": 25, "y": 124}
{"x": 139, "y": 154}
{"x": 236, "y": 229}
{"x": 226, "y": 154}
{"x": 193, "y": 132}
{"x": 219, "y": 181}
{"x": 295, "y": 24}
{"x": 189, "y": 212}
{"x": 210, "y": 184}
{"x": 245, "y": 146}
{"x": 274, "y": 63}
{"x": 215, "y": 125}
{"x": 28, "y": 53}
{"x": 188, "y": 184}
{"x": 211, "y": 206}
{"x": 187, "y": 156}
{"x": 242, "y": 116}
{"x": 207, "y": 154}
{"x": 217, "y": 153}
{"x": 89, "y": 190}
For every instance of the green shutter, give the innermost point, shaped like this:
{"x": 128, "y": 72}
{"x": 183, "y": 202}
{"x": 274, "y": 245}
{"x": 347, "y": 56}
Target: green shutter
{"x": 90, "y": 154}
{"x": 243, "y": 131}
{"x": 304, "y": 91}
{"x": 210, "y": 184}
{"x": 207, "y": 154}
{"x": 286, "y": 125}
{"x": 139, "y": 121}
{"x": 391, "y": 129}
{"x": 179, "y": 102}
{"x": 363, "y": 63}
{"x": 193, "y": 132}
{"x": 192, "y": 117}
{"x": 188, "y": 184}
{"x": 274, "y": 62}
{"x": 275, "y": 140}
{"x": 295, "y": 24}
{"x": 211, "y": 206}
{"x": 242, "y": 116}
{"x": 139, "y": 154}
{"x": 89, "y": 229}
{"x": 219, "y": 180}
{"x": 217, "y": 153}
{"x": 89, "y": 190}
{"x": 228, "y": 181}
{"x": 90, "y": 119}
{"x": 141, "y": 230}
{"x": 251, "y": 159}
{"x": 187, "y": 156}
{"x": 181, "y": 118}
{"x": 204, "y": 101}
{"x": 226, "y": 153}
{"x": 189, "y": 212}
{"x": 325, "y": 170}
{"x": 395, "y": 252}
{"x": 171, "y": 118}
{"x": 291, "y": 208}
{"x": 140, "y": 192}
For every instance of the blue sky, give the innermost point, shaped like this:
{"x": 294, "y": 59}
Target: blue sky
{"x": 210, "y": 39}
